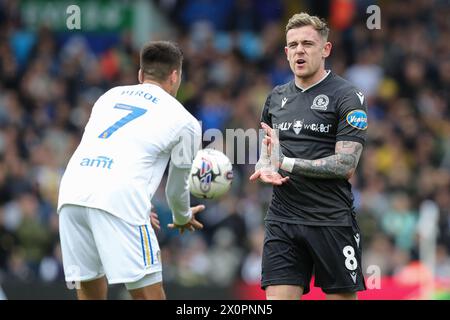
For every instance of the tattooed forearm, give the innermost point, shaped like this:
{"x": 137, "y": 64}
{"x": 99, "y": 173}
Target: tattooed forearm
{"x": 340, "y": 165}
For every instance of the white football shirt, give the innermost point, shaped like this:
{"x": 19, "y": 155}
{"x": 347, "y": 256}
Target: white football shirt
{"x": 131, "y": 134}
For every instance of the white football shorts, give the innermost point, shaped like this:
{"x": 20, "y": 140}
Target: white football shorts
{"x": 95, "y": 243}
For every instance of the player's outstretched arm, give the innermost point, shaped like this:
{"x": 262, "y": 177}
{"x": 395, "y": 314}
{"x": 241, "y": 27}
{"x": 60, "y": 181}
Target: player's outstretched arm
{"x": 341, "y": 165}
{"x": 177, "y": 187}
{"x": 178, "y": 198}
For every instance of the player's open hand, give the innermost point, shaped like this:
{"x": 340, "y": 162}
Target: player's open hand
{"x": 268, "y": 176}
{"x": 193, "y": 224}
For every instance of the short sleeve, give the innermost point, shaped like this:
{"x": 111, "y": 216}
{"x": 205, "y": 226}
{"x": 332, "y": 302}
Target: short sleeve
{"x": 352, "y": 113}
{"x": 265, "y": 116}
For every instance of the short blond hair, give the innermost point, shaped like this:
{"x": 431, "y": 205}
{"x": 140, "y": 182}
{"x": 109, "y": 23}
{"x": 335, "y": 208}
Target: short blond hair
{"x": 303, "y": 19}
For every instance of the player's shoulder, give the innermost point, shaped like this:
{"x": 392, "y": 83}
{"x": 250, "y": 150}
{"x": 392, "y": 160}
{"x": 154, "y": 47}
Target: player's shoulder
{"x": 117, "y": 89}
{"x": 192, "y": 123}
{"x": 114, "y": 92}
{"x": 178, "y": 110}
{"x": 343, "y": 87}
{"x": 347, "y": 95}
{"x": 168, "y": 103}
{"x": 107, "y": 93}
{"x": 180, "y": 114}
{"x": 284, "y": 89}
{"x": 279, "y": 93}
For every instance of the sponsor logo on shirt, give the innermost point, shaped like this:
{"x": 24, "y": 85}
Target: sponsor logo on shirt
{"x": 101, "y": 162}
{"x": 282, "y": 126}
{"x": 299, "y": 125}
{"x": 357, "y": 119}
{"x": 320, "y": 102}
{"x": 283, "y": 102}
{"x": 318, "y": 127}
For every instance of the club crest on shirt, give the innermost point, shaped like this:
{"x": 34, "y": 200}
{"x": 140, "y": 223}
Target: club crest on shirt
{"x": 320, "y": 102}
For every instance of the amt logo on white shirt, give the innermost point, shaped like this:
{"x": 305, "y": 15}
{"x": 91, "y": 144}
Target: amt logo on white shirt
{"x": 101, "y": 162}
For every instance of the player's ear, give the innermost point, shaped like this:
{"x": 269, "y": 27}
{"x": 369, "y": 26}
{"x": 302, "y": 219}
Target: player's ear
{"x": 140, "y": 76}
{"x": 174, "y": 77}
{"x": 326, "y": 49}
{"x": 286, "y": 51}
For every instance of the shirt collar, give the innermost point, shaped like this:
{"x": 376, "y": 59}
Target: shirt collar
{"x": 313, "y": 85}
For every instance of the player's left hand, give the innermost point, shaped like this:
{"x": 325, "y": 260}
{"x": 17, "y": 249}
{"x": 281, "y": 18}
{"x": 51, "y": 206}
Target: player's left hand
{"x": 154, "y": 220}
{"x": 268, "y": 176}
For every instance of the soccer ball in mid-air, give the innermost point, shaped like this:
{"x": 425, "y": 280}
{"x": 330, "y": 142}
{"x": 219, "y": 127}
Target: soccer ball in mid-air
{"x": 211, "y": 174}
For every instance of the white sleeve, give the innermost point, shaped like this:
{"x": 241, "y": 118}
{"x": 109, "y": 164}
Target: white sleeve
{"x": 177, "y": 187}
{"x": 177, "y": 193}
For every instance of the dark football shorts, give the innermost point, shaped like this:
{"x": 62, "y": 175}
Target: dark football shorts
{"x": 292, "y": 252}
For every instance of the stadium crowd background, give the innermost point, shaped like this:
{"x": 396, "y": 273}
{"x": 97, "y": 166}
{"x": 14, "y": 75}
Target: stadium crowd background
{"x": 233, "y": 57}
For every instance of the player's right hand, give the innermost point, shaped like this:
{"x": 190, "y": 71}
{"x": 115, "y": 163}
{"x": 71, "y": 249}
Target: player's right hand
{"x": 268, "y": 176}
{"x": 193, "y": 224}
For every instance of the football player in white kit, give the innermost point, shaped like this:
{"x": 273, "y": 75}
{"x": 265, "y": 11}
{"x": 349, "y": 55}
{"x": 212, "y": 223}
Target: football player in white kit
{"x": 105, "y": 193}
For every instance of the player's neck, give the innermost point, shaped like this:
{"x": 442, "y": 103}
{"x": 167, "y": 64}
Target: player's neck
{"x": 154, "y": 83}
{"x": 163, "y": 86}
{"x": 305, "y": 83}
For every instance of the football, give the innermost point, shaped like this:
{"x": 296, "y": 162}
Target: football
{"x": 211, "y": 174}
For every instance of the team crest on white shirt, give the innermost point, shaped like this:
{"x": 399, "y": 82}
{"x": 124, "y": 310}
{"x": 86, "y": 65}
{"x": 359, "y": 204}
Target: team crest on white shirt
{"x": 320, "y": 102}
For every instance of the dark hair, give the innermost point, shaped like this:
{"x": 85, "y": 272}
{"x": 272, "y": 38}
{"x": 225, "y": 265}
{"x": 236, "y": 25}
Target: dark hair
{"x": 159, "y": 59}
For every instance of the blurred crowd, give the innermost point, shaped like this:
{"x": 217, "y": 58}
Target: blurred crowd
{"x": 234, "y": 55}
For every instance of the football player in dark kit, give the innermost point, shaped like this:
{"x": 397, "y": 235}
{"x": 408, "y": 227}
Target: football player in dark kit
{"x": 315, "y": 131}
